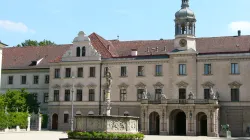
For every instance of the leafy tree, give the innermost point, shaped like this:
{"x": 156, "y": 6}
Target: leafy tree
{"x": 35, "y": 43}
{"x": 46, "y": 43}
{"x": 2, "y": 102}
{"x": 20, "y": 100}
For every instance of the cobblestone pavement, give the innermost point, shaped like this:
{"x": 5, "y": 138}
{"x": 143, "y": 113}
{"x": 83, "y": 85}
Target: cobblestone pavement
{"x": 51, "y": 135}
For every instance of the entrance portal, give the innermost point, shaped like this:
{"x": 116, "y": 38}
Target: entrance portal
{"x": 178, "y": 123}
{"x": 154, "y": 124}
{"x": 201, "y": 124}
{"x": 54, "y": 122}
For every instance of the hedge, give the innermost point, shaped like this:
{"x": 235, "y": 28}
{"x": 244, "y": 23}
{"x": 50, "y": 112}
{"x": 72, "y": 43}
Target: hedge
{"x": 13, "y": 119}
{"x": 104, "y": 136}
{"x": 44, "y": 120}
{"x": 3, "y": 120}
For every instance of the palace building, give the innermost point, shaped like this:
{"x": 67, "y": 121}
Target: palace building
{"x": 183, "y": 86}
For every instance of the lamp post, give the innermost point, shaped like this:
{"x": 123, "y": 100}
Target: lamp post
{"x": 72, "y": 105}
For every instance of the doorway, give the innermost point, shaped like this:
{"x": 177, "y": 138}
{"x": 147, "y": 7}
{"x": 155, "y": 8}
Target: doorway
{"x": 177, "y": 125}
{"x": 202, "y": 124}
{"x": 54, "y": 122}
{"x": 154, "y": 124}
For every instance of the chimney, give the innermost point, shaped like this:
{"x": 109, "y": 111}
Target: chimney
{"x": 239, "y": 32}
{"x": 134, "y": 52}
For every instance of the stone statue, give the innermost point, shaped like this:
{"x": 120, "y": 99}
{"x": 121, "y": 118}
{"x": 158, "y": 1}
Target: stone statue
{"x": 225, "y": 128}
{"x": 163, "y": 96}
{"x": 217, "y": 95}
{"x": 191, "y": 95}
{"x": 108, "y": 78}
{"x": 144, "y": 95}
{"x": 212, "y": 94}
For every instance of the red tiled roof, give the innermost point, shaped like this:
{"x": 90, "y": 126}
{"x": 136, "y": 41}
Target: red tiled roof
{"x": 203, "y": 45}
{"x": 21, "y": 57}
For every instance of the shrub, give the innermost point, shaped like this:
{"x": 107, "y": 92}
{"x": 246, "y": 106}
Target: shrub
{"x": 3, "y": 120}
{"x": 44, "y": 120}
{"x": 104, "y": 135}
{"x": 18, "y": 119}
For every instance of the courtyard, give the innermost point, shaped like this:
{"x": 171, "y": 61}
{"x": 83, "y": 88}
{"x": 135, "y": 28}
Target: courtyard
{"x": 52, "y": 135}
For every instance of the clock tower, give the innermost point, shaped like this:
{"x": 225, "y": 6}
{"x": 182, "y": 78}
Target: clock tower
{"x": 185, "y": 28}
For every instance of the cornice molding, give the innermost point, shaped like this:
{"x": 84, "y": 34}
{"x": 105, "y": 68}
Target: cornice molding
{"x": 182, "y": 84}
{"x": 140, "y": 85}
{"x": 235, "y": 84}
{"x": 123, "y": 86}
{"x": 79, "y": 85}
{"x": 158, "y": 85}
{"x": 56, "y": 86}
{"x": 67, "y": 85}
{"x": 209, "y": 59}
{"x": 208, "y": 84}
{"x": 91, "y": 86}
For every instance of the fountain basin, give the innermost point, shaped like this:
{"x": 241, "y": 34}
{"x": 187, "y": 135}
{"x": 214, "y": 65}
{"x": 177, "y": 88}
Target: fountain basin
{"x": 113, "y": 124}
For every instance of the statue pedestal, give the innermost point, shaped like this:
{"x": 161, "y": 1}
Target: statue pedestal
{"x": 117, "y": 124}
{"x": 226, "y": 134}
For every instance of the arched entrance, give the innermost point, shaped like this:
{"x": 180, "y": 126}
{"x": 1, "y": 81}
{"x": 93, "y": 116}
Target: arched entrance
{"x": 177, "y": 123}
{"x": 201, "y": 124}
{"x": 54, "y": 122}
{"x": 154, "y": 124}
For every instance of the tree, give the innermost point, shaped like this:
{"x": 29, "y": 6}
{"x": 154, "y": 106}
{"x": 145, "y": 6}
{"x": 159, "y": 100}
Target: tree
{"x": 20, "y": 100}
{"x": 36, "y": 43}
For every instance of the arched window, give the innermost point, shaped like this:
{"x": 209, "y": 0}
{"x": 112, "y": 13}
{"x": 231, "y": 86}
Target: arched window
{"x": 83, "y": 51}
{"x": 78, "y": 51}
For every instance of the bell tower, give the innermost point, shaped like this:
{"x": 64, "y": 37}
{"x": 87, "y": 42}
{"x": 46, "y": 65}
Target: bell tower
{"x": 185, "y": 28}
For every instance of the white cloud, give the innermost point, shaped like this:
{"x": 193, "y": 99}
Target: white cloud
{"x": 244, "y": 26}
{"x": 15, "y": 26}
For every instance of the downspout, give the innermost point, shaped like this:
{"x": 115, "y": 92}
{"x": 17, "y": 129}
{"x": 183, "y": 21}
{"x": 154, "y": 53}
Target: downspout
{"x": 100, "y": 90}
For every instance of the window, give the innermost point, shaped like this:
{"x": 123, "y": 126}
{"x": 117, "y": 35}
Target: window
{"x": 123, "y": 71}
{"x": 67, "y": 95}
{"x": 79, "y": 95}
{"x": 182, "y": 69}
{"x": 66, "y": 118}
{"x": 158, "y": 93}
{"x": 206, "y": 93}
{"x": 35, "y": 79}
{"x": 57, "y": 73}
{"x": 45, "y": 97}
{"x": 182, "y": 93}
{"x": 67, "y": 72}
{"x": 123, "y": 94}
{"x": 104, "y": 95}
{"x": 235, "y": 95}
{"x": 83, "y": 51}
{"x": 139, "y": 94}
{"x": 207, "y": 69}
{"x": 235, "y": 68}
{"x": 158, "y": 70}
{"x": 140, "y": 71}
{"x": 105, "y": 71}
{"x": 92, "y": 72}
{"x": 78, "y": 51}
{"x": 56, "y": 95}
{"x": 91, "y": 94}
{"x": 10, "y": 80}
{"x": 46, "y": 79}
{"x": 34, "y": 96}
{"x": 23, "y": 79}
{"x": 80, "y": 72}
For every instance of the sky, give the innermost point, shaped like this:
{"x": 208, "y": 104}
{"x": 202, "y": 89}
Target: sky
{"x": 61, "y": 20}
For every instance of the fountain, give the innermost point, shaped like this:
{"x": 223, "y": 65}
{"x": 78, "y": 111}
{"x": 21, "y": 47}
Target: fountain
{"x": 107, "y": 122}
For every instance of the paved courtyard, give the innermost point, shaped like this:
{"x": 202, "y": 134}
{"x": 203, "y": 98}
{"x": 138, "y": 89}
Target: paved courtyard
{"x": 49, "y": 135}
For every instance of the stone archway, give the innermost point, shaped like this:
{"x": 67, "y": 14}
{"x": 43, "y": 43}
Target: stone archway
{"x": 177, "y": 124}
{"x": 54, "y": 122}
{"x": 154, "y": 124}
{"x": 201, "y": 124}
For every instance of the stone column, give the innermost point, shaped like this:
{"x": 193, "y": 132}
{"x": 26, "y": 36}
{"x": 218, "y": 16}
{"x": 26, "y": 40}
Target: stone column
{"x": 28, "y": 126}
{"x": 167, "y": 120}
{"x": 39, "y": 126}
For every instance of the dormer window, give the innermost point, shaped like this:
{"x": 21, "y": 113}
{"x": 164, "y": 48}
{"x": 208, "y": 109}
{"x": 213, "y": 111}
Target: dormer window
{"x": 78, "y": 52}
{"x": 83, "y": 51}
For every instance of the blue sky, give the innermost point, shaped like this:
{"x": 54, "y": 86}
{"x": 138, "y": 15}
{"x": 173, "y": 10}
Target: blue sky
{"x": 61, "y": 20}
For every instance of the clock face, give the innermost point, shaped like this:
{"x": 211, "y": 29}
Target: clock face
{"x": 183, "y": 42}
